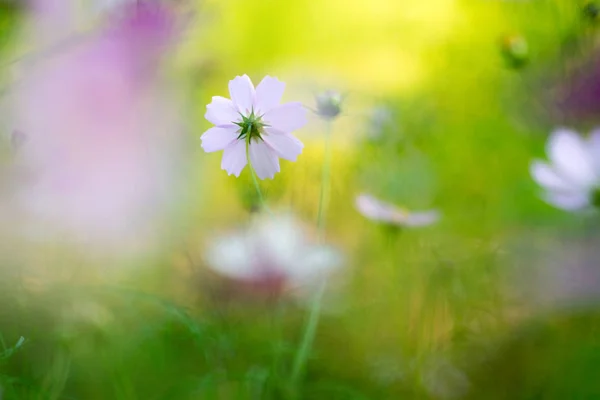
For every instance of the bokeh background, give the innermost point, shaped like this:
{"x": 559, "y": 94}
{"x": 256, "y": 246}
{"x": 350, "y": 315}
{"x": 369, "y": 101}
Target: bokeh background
{"x": 446, "y": 103}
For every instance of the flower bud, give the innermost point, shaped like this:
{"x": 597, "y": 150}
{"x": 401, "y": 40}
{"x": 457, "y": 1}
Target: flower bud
{"x": 515, "y": 50}
{"x": 329, "y": 104}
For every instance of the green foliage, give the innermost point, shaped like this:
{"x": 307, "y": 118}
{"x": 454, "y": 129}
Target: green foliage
{"x": 426, "y": 313}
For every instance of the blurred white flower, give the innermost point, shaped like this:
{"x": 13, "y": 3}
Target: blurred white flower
{"x": 274, "y": 252}
{"x": 329, "y": 104}
{"x": 572, "y": 177}
{"x": 253, "y": 122}
{"x": 379, "y": 211}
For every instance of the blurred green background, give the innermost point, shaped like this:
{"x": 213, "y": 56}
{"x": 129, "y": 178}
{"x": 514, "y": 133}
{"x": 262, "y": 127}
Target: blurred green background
{"x": 443, "y": 312}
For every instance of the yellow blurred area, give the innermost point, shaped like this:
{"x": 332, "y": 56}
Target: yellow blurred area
{"x": 374, "y": 46}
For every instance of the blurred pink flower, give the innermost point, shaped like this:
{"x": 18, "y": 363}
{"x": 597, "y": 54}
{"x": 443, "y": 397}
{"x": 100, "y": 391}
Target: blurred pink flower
{"x": 572, "y": 178}
{"x": 100, "y": 132}
{"x": 380, "y": 211}
{"x": 253, "y": 122}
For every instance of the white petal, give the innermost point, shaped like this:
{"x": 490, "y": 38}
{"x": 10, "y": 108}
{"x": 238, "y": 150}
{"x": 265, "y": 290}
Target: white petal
{"x": 571, "y": 158}
{"x": 568, "y": 201}
{"x": 314, "y": 263}
{"x": 264, "y": 160}
{"x": 268, "y": 94}
{"x": 286, "y": 117}
{"x": 378, "y": 210}
{"x": 422, "y": 218}
{"x": 375, "y": 209}
{"x": 547, "y": 177}
{"x": 217, "y": 138}
{"x": 233, "y": 257}
{"x": 286, "y": 145}
{"x": 221, "y": 111}
{"x": 281, "y": 238}
{"x": 234, "y": 158}
{"x": 242, "y": 93}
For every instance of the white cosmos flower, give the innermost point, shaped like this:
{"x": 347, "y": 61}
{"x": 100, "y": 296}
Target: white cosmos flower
{"x": 380, "y": 211}
{"x": 253, "y": 122}
{"x": 572, "y": 177}
{"x": 273, "y": 249}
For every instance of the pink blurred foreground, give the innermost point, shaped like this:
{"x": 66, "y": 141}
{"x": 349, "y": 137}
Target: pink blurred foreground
{"x": 101, "y": 131}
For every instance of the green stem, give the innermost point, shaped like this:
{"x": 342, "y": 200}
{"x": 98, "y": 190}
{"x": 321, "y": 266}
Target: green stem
{"x": 254, "y": 179}
{"x": 325, "y": 179}
{"x": 309, "y": 335}
{"x": 312, "y": 322}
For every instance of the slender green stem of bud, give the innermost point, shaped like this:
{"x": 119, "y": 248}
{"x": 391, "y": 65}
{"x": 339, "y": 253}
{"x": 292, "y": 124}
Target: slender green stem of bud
{"x": 308, "y": 337}
{"x": 325, "y": 183}
{"x": 312, "y": 322}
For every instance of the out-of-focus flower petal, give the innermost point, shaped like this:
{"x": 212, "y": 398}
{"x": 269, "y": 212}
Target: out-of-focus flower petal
{"x": 275, "y": 255}
{"x": 268, "y": 94}
{"x": 279, "y": 238}
{"x": 314, "y": 264}
{"x": 547, "y": 177}
{"x": 286, "y": 117}
{"x": 232, "y": 256}
{"x": 221, "y": 111}
{"x": 54, "y": 20}
{"x": 378, "y": 210}
{"x": 422, "y": 218}
{"x": 218, "y": 138}
{"x": 571, "y": 158}
{"x": 264, "y": 160}
{"x": 286, "y": 145}
{"x": 97, "y": 123}
{"x": 234, "y": 158}
{"x": 374, "y": 209}
{"x": 242, "y": 93}
{"x": 568, "y": 201}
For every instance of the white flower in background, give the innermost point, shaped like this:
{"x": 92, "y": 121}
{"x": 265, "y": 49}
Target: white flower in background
{"x": 329, "y": 104}
{"x": 253, "y": 122}
{"x": 273, "y": 250}
{"x": 379, "y": 211}
{"x": 572, "y": 177}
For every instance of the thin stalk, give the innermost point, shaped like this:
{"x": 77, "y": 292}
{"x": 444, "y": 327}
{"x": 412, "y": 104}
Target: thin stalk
{"x": 312, "y": 321}
{"x": 325, "y": 183}
{"x": 309, "y": 335}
